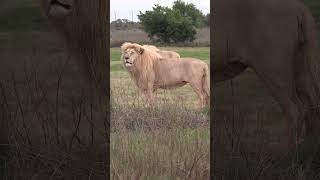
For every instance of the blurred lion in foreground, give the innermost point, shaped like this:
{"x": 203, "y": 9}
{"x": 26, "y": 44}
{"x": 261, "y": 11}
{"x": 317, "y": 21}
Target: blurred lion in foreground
{"x": 279, "y": 44}
{"x": 164, "y": 54}
{"x": 151, "y": 71}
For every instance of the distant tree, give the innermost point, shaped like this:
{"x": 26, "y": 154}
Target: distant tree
{"x": 123, "y": 24}
{"x": 314, "y": 5}
{"x": 207, "y": 19}
{"x": 168, "y": 24}
{"x": 190, "y": 10}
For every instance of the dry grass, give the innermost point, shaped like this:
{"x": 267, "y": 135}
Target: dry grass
{"x": 168, "y": 141}
{"x": 132, "y": 35}
{"x": 160, "y": 154}
{"x": 52, "y": 134}
{"x": 51, "y": 125}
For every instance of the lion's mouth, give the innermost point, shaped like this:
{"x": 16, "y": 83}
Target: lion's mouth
{"x": 61, "y": 4}
{"x": 128, "y": 63}
{"x": 59, "y": 8}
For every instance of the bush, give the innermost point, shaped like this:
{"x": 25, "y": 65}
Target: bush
{"x": 189, "y": 10}
{"x": 167, "y": 25}
{"x": 124, "y": 24}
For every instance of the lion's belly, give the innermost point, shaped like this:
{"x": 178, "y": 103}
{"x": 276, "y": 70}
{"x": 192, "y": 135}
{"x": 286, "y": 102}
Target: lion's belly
{"x": 169, "y": 85}
{"x": 172, "y": 74}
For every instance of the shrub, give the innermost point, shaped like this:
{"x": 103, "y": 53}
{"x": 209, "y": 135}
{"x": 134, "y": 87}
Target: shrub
{"x": 176, "y": 24}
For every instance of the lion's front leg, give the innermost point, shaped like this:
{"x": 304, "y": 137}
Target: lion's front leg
{"x": 149, "y": 96}
{"x": 148, "y": 92}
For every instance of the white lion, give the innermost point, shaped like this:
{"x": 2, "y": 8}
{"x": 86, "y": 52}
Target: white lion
{"x": 151, "y": 71}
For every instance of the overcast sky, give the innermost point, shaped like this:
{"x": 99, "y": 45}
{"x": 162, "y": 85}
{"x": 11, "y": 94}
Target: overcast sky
{"x": 123, "y": 9}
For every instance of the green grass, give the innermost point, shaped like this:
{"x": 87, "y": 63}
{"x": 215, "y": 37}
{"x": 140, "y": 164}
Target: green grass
{"x": 115, "y": 54}
{"x": 202, "y": 53}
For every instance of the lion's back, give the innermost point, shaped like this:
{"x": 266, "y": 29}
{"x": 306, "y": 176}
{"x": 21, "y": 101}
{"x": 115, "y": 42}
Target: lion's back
{"x": 173, "y": 66}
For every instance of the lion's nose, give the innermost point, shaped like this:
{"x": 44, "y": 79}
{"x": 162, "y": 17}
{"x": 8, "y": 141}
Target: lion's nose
{"x": 126, "y": 58}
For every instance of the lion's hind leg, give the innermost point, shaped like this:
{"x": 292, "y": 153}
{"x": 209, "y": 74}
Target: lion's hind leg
{"x": 309, "y": 93}
{"x": 205, "y": 86}
{"x": 198, "y": 88}
{"x": 282, "y": 86}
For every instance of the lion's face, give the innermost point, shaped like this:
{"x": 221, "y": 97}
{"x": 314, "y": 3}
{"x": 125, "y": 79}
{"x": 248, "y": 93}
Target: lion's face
{"x": 130, "y": 56}
{"x": 58, "y": 8}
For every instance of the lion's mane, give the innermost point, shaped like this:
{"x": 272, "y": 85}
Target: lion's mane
{"x": 143, "y": 67}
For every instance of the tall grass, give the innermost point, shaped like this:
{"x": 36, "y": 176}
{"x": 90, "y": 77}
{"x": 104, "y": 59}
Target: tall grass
{"x": 53, "y": 127}
{"x": 168, "y": 141}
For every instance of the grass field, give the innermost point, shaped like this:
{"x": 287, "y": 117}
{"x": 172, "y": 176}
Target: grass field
{"x": 169, "y": 141}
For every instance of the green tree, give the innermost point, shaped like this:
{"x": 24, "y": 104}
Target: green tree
{"x": 314, "y": 5}
{"x": 120, "y": 24}
{"x": 189, "y": 10}
{"x": 207, "y": 20}
{"x": 168, "y": 24}
{"x": 124, "y": 24}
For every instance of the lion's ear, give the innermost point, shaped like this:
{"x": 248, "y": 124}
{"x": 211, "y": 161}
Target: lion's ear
{"x": 140, "y": 50}
{"x": 125, "y": 45}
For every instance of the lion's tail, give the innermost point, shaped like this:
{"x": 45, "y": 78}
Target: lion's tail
{"x": 305, "y": 73}
{"x": 205, "y": 83}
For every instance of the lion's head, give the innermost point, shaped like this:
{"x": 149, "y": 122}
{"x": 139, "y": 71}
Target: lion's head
{"x": 131, "y": 54}
{"x": 83, "y": 26}
{"x": 139, "y": 61}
